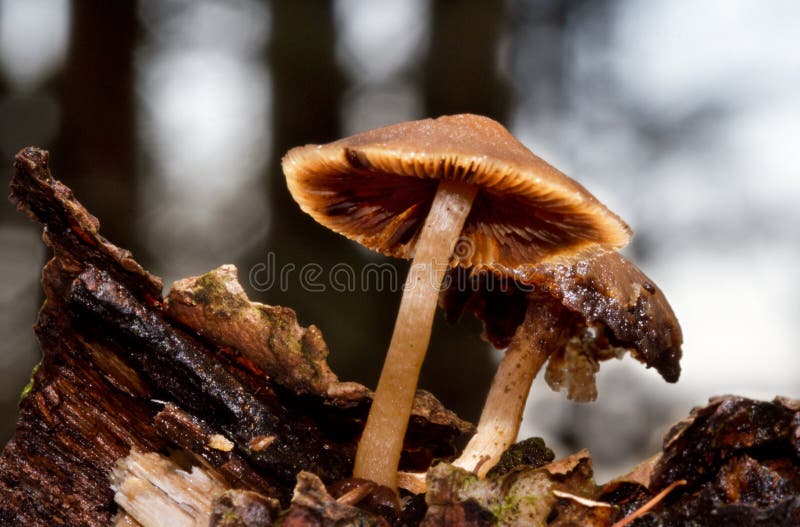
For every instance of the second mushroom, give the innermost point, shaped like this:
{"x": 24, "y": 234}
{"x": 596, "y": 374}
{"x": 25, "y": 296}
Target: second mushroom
{"x": 422, "y": 189}
{"x": 572, "y": 315}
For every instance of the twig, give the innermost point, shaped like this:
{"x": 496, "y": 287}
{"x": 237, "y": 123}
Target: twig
{"x": 641, "y": 511}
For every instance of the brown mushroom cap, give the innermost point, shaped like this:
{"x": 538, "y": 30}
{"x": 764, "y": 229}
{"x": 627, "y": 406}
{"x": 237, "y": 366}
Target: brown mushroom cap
{"x": 377, "y": 187}
{"x": 607, "y": 304}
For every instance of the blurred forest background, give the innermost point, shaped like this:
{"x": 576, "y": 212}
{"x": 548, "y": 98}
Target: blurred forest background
{"x": 168, "y": 120}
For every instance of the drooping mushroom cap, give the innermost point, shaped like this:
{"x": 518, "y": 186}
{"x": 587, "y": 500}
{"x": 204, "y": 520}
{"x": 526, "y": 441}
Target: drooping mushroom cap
{"x": 605, "y": 306}
{"x": 377, "y": 187}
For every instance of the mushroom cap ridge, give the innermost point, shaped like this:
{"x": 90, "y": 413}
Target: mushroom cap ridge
{"x": 376, "y": 188}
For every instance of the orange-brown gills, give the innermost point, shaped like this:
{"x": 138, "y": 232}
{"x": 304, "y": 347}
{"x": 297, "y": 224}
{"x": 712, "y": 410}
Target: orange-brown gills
{"x": 377, "y": 187}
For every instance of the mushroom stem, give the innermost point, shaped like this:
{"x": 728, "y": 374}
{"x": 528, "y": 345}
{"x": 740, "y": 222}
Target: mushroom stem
{"x": 381, "y": 443}
{"x": 502, "y": 414}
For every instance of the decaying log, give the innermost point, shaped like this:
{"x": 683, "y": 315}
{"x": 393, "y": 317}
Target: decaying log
{"x": 242, "y": 508}
{"x": 741, "y": 461}
{"x": 312, "y": 506}
{"x": 733, "y": 462}
{"x": 519, "y": 497}
{"x": 191, "y": 434}
{"x": 120, "y": 373}
{"x": 155, "y": 491}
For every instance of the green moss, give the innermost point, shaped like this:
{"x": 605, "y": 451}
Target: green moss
{"x": 468, "y": 480}
{"x": 529, "y": 452}
{"x": 31, "y": 383}
{"x": 207, "y": 289}
{"x": 506, "y": 509}
{"x": 210, "y": 290}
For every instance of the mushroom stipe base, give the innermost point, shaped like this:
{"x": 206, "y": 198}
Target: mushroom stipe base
{"x": 502, "y": 414}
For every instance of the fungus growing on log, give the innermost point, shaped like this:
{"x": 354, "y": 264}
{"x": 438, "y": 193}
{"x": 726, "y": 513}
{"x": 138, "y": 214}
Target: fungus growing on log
{"x": 457, "y": 190}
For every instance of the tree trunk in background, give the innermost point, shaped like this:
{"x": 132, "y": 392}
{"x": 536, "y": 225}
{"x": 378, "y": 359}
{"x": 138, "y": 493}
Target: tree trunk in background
{"x": 462, "y": 76}
{"x": 307, "y": 88}
{"x": 307, "y": 92}
{"x": 96, "y": 154}
{"x": 541, "y": 52}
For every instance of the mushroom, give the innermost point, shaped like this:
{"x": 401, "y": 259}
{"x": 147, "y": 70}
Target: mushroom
{"x": 574, "y": 315}
{"x": 417, "y": 188}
